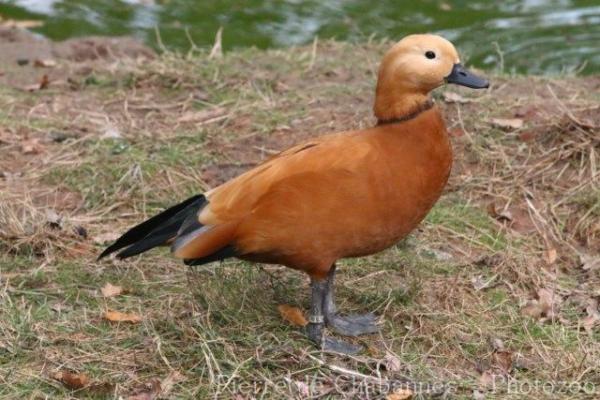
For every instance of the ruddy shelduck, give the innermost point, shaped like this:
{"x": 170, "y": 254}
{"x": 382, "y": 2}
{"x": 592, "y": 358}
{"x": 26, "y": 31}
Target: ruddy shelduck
{"x": 347, "y": 194}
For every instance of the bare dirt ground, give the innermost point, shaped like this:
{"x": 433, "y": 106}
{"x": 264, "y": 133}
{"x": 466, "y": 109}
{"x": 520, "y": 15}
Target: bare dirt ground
{"x": 495, "y": 296}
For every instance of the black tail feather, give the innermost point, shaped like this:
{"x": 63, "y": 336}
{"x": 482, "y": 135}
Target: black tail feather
{"x": 156, "y": 230}
{"x": 225, "y": 252}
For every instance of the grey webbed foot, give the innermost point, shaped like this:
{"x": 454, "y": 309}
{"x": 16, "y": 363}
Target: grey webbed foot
{"x": 314, "y": 331}
{"x": 354, "y": 324}
{"x": 339, "y": 346}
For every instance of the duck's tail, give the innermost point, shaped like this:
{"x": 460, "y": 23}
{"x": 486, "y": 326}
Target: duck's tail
{"x": 156, "y": 231}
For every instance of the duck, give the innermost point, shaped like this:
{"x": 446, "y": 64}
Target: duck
{"x": 340, "y": 195}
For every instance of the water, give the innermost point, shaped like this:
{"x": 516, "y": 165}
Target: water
{"x": 523, "y": 36}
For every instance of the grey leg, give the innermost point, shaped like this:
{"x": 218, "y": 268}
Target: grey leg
{"x": 316, "y": 324}
{"x": 349, "y": 325}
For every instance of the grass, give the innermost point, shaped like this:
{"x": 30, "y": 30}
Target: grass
{"x": 451, "y": 296}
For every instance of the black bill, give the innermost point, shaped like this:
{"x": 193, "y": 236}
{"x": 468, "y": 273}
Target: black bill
{"x": 462, "y": 76}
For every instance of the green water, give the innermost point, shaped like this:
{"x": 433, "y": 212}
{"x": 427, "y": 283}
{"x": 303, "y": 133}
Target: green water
{"x": 524, "y": 36}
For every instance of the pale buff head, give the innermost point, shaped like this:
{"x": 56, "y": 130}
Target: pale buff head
{"x": 412, "y": 68}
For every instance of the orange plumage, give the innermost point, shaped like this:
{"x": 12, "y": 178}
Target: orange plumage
{"x": 341, "y": 195}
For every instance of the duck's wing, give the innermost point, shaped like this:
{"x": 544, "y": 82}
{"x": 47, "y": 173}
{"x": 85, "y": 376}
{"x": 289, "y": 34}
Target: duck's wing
{"x": 214, "y": 227}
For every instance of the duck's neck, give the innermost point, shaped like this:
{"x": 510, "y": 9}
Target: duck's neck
{"x": 398, "y": 106}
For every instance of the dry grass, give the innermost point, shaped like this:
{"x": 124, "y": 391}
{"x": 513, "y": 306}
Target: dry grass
{"x": 107, "y": 144}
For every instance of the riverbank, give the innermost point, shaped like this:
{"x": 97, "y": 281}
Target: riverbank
{"x": 500, "y": 282}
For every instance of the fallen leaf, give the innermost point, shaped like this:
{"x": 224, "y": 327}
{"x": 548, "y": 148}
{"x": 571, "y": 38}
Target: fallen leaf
{"x": 400, "y": 394}
{"x": 292, "y": 314}
{"x": 550, "y": 301}
{"x": 110, "y": 290}
{"x": 528, "y": 136}
{"x": 391, "y": 362}
{"x": 32, "y": 146}
{"x": 46, "y": 63}
{"x": 117, "y": 316}
{"x": 452, "y": 97}
{"x": 42, "y": 84}
{"x": 507, "y": 123}
{"x": 155, "y": 388}
{"x": 71, "y": 380}
{"x": 526, "y": 112}
{"x": 503, "y": 359}
{"x": 502, "y": 216}
{"x": 550, "y": 255}
{"x": 150, "y": 391}
{"x": 546, "y": 306}
{"x": 532, "y": 309}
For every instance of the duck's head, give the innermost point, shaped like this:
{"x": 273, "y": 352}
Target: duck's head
{"x": 412, "y": 68}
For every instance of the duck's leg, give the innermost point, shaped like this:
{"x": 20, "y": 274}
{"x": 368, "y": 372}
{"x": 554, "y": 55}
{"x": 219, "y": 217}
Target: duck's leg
{"x": 317, "y": 322}
{"x": 348, "y": 325}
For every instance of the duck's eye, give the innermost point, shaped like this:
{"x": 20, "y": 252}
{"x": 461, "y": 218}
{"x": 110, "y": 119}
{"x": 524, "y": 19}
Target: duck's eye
{"x": 430, "y": 54}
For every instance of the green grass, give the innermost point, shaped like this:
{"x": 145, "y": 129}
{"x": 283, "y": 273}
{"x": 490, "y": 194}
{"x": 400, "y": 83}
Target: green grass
{"x": 218, "y": 325}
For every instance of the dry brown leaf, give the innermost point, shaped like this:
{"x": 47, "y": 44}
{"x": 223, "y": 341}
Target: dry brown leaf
{"x": 528, "y": 136}
{"x": 292, "y": 314}
{"x": 550, "y": 302}
{"x": 532, "y": 309}
{"x": 110, "y": 290}
{"x": 32, "y": 146}
{"x": 42, "y": 84}
{"x": 71, "y": 380}
{"x": 400, "y": 394}
{"x": 46, "y": 63}
{"x": 507, "y": 123}
{"x": 550, "y": 255}
{"x": 503, "y": 359}
{"x": 116, "y": 316}
{"x": 150, "y": 391}
{"x": 546, "y": 306}
{"x": 156, "y": 388}
{"x": 502, "y": 216}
